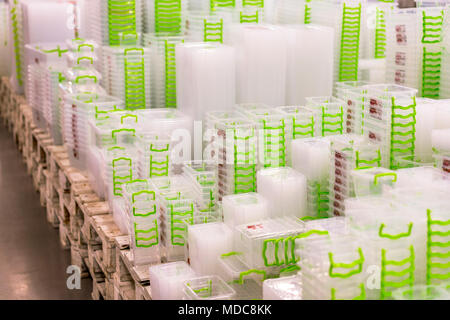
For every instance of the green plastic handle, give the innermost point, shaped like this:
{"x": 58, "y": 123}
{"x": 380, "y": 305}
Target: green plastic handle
{"x": 86, "y": 77}
{"x": 397, "y": 236}
{"x": 359, "y": 262}
{"x": 85, "y": 58}
{"x": 134, "y": 49}
{"x": 232, "y": 253}
{"x": 134, "y": 195}
{"x": 393, "y": 174}
{"x": 128, "y": 116}
{"x": 113, "y": 133}
{"x": 135, "y": 35}
{"x": 87, "y": 45}
{"x": 251, "y": 271}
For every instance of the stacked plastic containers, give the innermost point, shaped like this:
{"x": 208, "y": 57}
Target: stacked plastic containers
{"x": 269, "y": 245}
{"x": 204, "y": 254}
{"x": 42, "y": 59}
{"x": 261, "y": 60}
{"x": 290, "y": 11}
{"x": 345, "y": 17}
{"x": 330, "y": 115}
{"x": 206, "y": 26}
{"x": 79, "y": 109}
{"x": 236, "y": 147}
{"x": 126, "y": 74}
{"x": 163, "y": 65}
{"x": 109, "y": 20}
{"x": 353, "y": 94}
{"x": 168, "y": 280}
{"x": 286, "y": 191}
{"x": 244, "y": 208}
{"x": 19, "y": 70}
{"x": 312, "y": 157}
{"x": 299, "y": 124}
{"x": 348, "y": 152}
{"x": 207, "y": 288}
{"x": 165, "y": 16}
{"x": 332, "y": 268}
{"x": 310, "y": 68}
{"x": 202, "y": 176}
{"x": 414, "y": 49}
{"x": 284, "y": 288}
{"x": 389, "y": 242}
{"x": 170, "y": 132}
{"x": 205, "y": 78}
{"x": 142, "y": 207}
{"x": 440, "y": 142}
{"x": 389, "y": 120}
{"x": 5, "y": 46}
{"x": 176, "y": 211}
{"x": 271, "y": 133}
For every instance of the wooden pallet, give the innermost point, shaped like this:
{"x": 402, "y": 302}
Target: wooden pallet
{"x": 126, "y": 270}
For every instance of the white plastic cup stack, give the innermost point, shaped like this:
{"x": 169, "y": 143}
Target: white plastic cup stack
{"x": 261, "y": 63}
{"x": 286, "y": 191}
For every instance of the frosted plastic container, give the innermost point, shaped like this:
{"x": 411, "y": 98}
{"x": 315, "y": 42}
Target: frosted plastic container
{"x": 422, "y": 292}
{"x": 261, "y": 241}
{"x": 207, "y": 288}
{"x": 168, "y": 279}
{"x": 284, "y": 288}
{"x": 206, "y": 243}
{"x": 261, "y": 52}
{"x": 312, "y": 157}
{"x": 286, "y": 191}
{"x": 371, "y": 181}
{"x": 244, "y": 208}
{"x": 245, "y": 281}
{"x": 310, "y": 71}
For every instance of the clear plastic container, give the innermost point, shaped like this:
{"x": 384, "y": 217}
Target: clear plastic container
{"x": 207, "y": 288}
{"x": 168, "y": 280}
